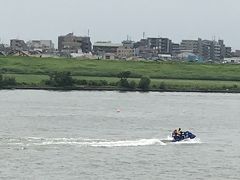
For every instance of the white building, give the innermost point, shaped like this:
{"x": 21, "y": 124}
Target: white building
{"x": 234, "y": 60}
{"x": 43, "y": 45}
{"x": 100, "y": 48}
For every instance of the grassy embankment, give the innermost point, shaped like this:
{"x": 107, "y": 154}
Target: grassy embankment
{"x": 164, "y": 75}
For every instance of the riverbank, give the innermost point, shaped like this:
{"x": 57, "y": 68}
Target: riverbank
{"x": 33, "y": 73}
{"x": 114, "y": 89}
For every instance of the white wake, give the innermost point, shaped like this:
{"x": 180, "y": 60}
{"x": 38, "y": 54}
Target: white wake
{"x": 35, "y": 141}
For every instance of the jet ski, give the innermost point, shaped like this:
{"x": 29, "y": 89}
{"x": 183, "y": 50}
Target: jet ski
{"x": 181, "y": 137}
{"x": 184, "y": 135}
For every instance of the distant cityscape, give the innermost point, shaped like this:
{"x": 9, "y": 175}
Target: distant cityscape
{"x": 151, "y": 48}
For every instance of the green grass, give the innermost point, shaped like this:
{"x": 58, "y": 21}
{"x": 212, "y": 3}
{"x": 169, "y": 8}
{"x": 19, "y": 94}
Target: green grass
{"x": 174, "y": 75}
{"x": 100, "y": 68}
{"x": 170, "y": 84}
{"x": 197, "y": 84}
{"x": 28, "y": 78}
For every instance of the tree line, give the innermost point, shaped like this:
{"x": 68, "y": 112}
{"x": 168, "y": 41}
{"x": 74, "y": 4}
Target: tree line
{"x": 7, "y": 81}
{"x": 65, "y": 79}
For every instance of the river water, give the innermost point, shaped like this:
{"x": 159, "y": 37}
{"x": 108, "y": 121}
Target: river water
{"x": 112, "y": 135}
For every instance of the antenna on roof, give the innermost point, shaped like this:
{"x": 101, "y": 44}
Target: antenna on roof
{"x": 214, "y": 38}
{"x": 88, "y": 33}
{"x": 144, "y": 35}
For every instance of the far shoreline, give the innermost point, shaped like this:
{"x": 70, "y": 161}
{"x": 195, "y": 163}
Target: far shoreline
{"x": 66, "y": 89}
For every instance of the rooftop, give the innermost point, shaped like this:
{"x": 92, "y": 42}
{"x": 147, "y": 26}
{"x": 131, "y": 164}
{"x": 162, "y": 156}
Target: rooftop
{"x": 107, "y": 44}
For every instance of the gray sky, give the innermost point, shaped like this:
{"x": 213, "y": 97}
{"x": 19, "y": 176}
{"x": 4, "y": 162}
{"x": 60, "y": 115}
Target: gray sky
{"x": 115, "y": 19}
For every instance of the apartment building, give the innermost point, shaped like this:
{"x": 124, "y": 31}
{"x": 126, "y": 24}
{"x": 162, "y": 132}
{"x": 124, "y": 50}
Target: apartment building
{"x": 19, "y": 45}
{"x": 73, "y": 44}
{"x": 175, "y": 49}
{"x": 191, "y": 45}
{"x": 237, "y": 53}
{"x": 228, "y": 52}
{"x": 44, "y": 45}
{"x": 152, "y": 47}
{"x": 161, "y": 45}
{"x": 207, "y": 49}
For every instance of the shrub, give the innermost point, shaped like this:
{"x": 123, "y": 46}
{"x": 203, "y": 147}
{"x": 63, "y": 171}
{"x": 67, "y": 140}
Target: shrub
{"x": 235, "y": 86}
{"x": 123, "y": 83}
{"x": 9, "y": 81}
{"x": 144, "y": 83}
{"x": 1, "y": 80}
{"x": 124, "y": 74}
{"x": 163, "y": 86}
{"x": 92, "y": 83}
{"x": 61, "y": 79}
{"x": 154, "y": 86}
{"x": 103, "y": 83}
{"x": 132, "y": 85}
{"x": 81, "y": 82}
{"x": 113, "y": 84}
{"x": 224, "y": 87}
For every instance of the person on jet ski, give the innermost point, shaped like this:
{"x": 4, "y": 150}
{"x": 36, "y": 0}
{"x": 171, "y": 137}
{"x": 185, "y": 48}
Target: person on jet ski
{"x": 177, "y": 132}
{"x": 174, "y": 133}
{"x": 180, "y": 131}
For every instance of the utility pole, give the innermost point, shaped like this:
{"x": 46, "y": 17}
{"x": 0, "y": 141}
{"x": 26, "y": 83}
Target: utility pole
{"x": 143, "y": 35}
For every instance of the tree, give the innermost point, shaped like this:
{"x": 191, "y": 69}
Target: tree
{"x": 1, "y": 80}
{"x": 124, "y": 74}
{"x": 123, "y": 81}
{"x": 144, "y": 83}
{"x": 61, "y": 79}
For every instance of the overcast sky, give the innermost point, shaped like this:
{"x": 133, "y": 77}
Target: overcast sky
{"x": 115, "y": 19}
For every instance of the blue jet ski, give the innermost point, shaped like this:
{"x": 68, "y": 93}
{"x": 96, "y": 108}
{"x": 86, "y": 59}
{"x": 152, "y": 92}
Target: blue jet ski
{"x": 183, "y": 136}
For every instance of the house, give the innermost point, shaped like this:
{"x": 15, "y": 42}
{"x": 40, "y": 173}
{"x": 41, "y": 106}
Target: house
{"x": 110, "y": 56}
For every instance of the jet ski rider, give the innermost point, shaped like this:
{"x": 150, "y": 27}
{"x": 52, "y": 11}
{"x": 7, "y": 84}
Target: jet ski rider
{"x": 180, "y": 131}
{"x": 177, "y": 132}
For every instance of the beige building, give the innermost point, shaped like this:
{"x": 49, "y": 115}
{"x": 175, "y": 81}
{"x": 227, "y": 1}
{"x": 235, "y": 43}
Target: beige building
{"x": 125, "y": 52}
